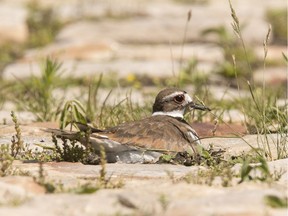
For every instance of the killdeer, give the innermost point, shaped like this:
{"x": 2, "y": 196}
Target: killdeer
{"x": 145, "y": 140}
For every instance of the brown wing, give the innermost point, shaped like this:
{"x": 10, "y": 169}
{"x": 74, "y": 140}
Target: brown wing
{"x": 155, "y": 132}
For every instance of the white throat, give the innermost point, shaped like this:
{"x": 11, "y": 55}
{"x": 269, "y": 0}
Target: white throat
{"x": 175, "y": 113}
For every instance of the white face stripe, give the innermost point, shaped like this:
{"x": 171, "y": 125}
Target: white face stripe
{"x": 172, "y": 95}
{"x": 187, "y": 97}
{"x": 175, "y": 113}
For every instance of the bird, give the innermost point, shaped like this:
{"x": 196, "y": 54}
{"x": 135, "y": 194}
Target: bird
{"x": 145, "y": 140}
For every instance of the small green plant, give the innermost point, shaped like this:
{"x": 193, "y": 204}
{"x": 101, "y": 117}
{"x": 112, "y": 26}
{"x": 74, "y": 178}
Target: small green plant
{"x": 42, "y": 23}
{"x": 257, "y": 172}
{"x": 276, "y": 201}
{"x": 6, "y": 160}
{"x": 121, "y": 112}
{"x": 164, "y": 201}
{"x": 71, "y": 151}
{"x": 223, "y": 172}
{"x": 102, "y": 178}
{"x": 73, "y": 112}
{"x": 87, "y": 188}
{"x": 41, "y": 153}
{"x": 209, "y": 157}
{"x": 41, "y": 180}
{"x": 92, "y": 102}
{"x": 233, "y": 47}
{"x": 8, "y": 53}
{"x": 214, "y": 163}
{"x": 37, "y": 94}
{"x": 191, "y": 75}
{"x": 260, "y": 109}
{"x": 278, "y": 20}
{"x": 17, "y": 142}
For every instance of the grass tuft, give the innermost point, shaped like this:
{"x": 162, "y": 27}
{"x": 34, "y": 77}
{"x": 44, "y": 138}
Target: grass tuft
{"x": 42, "y": 23}
{"x": 37, "y": 93}
{"x": 276, "y": 201}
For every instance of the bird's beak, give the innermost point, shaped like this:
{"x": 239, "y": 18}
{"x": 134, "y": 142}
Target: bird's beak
{"x": 193, "y": 105}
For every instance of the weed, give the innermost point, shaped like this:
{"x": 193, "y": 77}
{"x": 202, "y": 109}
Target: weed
{"x": 190, "y": 75}
{"x": 100, "y": 115}
{"x": 215, "y": 167}
{"x": 164, "y": 201}
{"x": 103, "y": 180}
{"x": 41, "y": 180}
{"x": 70, "y": 151}
{"x": 8, "y": 53}
{"x": 257, "y": 172}
{"x": 121, "y": 112}
{"x": 37, "y": 93}
{"x": 72, "y": 112}
{"x": 92, "y": 104}
{"x": 172, "y": 177}
{"x": 17, "y": 142}
{"x": 87, "y": 188}
{"x": 209, "y": 157}
{"x": 43, "y": 153}
{"x": 220, "y": 171}
{"x": 278, "y": 20}
{"x": 6, "y": 160}
{"x": 232, "y": 47}
{"x": 221, "y": 174}
{"x": 276, "y": 201}
{"x": 103, "y": 162}
{"x": 261, "y": 110}
{"x": 42, "y": 23}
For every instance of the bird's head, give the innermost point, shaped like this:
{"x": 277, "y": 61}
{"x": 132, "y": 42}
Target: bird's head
{"x": 174, "y": 102}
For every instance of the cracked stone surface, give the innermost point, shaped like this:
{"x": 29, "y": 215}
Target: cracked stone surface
{"x": 150, "y": 189}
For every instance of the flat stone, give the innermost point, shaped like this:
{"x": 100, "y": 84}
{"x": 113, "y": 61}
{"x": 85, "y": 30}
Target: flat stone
{"x": 85, "y": 61}
{"x": 96, "y": 50}
{"x": 13, "y": 24}
{"x": 277, "y": 167}
{"x": 23, "y": 116}
{"x": 17, "y": 189}
{"x": 158, "y": 198}
{"x": 236, "y": 146}
{"x": 274, "y": 53}
{"x": 26, "y": 182}
{"x": 110, "y": 50}
{"x": 166, "y": 20}
{"x": 155, "y": 189}
{"x": 74, "y": 171}
{"x": 271, "y": 76}
{"x": 234, "y": 201}
{"x": 89, "y": 68}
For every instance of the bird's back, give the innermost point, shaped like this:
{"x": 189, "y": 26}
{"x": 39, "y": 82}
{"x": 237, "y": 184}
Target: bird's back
{"x": 155, "y": 133}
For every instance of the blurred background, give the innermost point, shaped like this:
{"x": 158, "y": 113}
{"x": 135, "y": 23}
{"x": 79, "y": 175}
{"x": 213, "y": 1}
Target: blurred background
{"x": 53, "y": 51}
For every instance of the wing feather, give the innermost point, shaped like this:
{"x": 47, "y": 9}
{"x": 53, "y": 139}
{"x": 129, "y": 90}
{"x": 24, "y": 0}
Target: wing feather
{"x": 155, "y": 132}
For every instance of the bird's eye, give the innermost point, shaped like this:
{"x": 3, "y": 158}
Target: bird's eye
{"x": 179, "y": 98}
